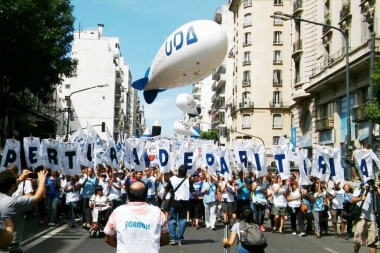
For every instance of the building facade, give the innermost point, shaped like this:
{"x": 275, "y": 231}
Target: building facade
{"x": 110, "y": 98}
{"x": 260, "y": 106}
{"x": 320, "y": 90}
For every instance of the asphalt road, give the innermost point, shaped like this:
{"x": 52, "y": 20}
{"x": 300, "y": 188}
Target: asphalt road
{"x": 64, "y": 239}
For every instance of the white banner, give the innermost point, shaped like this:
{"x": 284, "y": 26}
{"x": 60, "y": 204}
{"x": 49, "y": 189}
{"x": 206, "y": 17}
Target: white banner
{"x": 259, "y": 159}
{"x": 364, "y": 159}
{"x": 208, "y": 155}
{"x": 87, "y": 156}
{"x": 319, "y": 168}
{"x": 163, "y": 157}
{"x": 333, "y": 161}
{"x": 189, "y": 155}
{"x": 32, "y": 152}
{"x": 242, "y": 154}
{"x": 134, "y": 154}
{"x": 111, "y": 154}
{"x": 280, "y": 155}
{"x": 222, "y": 157}
{"x": 70, "y": 154}
{"x": 50, "y": 150}
{"x": 11, "y": 154}
{"x": 304, "y": 167}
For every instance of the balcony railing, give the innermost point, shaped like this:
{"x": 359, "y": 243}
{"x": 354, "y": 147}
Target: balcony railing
{"x": 277, "y": 126}
{"x": 325, "y": 123}
{"x": 246, "y": 83}
{"x": 277, "y": 82}
{"x": 297, "y": 46}
{"x": 247, "y": 23}
{"x": 277, "y": 41}
{"x": 248, "y": 105}
{"x": 246, "y": 126}
{"x": 358, "y": 114}
{"x": 277, "y": 61}
{"x": 346, "y": 9}
{"x": 325, "y": 29}
{"x": 297, "y": 5}
{"x": 246, "y": 63}
{"x": 275, "y": 104}
{"x": 246, "y": 43}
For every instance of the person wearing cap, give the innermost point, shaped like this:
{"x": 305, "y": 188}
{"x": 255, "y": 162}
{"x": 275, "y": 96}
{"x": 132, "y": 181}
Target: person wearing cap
{"x": 99, "y": 198}
{"x": 114, "y": 191}
{"x": 121, "y": 181}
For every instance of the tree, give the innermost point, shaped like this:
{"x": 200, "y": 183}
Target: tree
{"x": 372, "y": 110}
{"x": 210, "y": 135}
{"x": 35, "y": 46}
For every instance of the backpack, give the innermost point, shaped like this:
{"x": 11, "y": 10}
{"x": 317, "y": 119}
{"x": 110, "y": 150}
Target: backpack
{"x": 251, "y": 237}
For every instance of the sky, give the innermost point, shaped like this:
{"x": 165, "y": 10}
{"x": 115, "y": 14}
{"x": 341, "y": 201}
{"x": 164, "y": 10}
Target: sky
{"x": 142, "y": 27}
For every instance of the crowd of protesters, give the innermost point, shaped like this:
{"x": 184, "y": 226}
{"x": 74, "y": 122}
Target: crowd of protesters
{"x": 204, "y": 199}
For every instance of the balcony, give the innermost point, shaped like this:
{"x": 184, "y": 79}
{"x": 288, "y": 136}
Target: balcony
{"x": 358, "y": 114}
{"x": 215, "y": 76}
{"x": 277, "y": 82}
{"x": 247, "y": 24}
{"x": 277, "y": 61}
{"x": 246, "y": 83}
{"x": 245, "y": 126}
{"x": 276, "y": 104}
{"x": 247, "y": 3}
{"x": 297, "y": 48}
{"x": 219, "y": 84}
{"x": 297, "y": 79}
{"x": 325, "y": 30}
{"x": 247, "y": 43}
{"x": 245, "y": 63}
{"x": 247, "y": 105}
{"x": 297, "y": 6}
{"x": 325, "y": 123}
{"x": 346, "y": 10}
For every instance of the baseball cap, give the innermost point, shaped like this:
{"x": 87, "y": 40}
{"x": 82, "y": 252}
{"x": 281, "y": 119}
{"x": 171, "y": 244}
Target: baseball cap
{"x": 120, "y": 171}
{"x": 196, "y": 174}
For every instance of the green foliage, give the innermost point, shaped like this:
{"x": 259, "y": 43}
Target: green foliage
{"x": 35, "y": 46}
{"x": 372, "y": 110}
{"x": 210, "y": 135}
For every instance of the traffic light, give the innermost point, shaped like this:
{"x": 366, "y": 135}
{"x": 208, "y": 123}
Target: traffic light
{"x": 103, "y": 127}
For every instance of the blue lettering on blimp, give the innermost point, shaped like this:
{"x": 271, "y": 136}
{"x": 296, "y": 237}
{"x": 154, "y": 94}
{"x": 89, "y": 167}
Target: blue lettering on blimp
{"x": 177, "y": 40}
{"x": 137, "y": 224}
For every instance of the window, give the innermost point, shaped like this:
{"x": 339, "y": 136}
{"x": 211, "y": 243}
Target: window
{"x": 277, "y": 121}
{"x": 278, "y": 2}
{"x": 277, "y": 98}
{"x": 247, "y": 38}
{"x": 247, "y": 3}
{"x": 67, "y": 86}
{"x": 276, "y": 139}
{"x": 277, "y": 56}
{"x": 277, "y": 77}
{"x": 246, "y": 99}
{"x": 247, "y": 58}
{"x": 247, "y": 20}
{"x": 277, "y": 37}
{"x": 246, "y": 121}
{"x": 246, "y": 78}
{"x": 326, "y": 110}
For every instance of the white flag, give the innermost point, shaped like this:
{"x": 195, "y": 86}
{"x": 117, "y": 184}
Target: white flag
{"x": 189, "y": 155}
{"x": 50, "y": 150}
{"x": 210, "y": 157}
{"x": 242, "y": 154}
{"x": 304, "y": 166}
{"x": 134, "y": 154}
{"x": 163, "y": 157}
{"x": 70, "y": 158}
{"x": 259, "y": 159}
{"x": 280, "y": 154}
{"x": 87, "y": 156}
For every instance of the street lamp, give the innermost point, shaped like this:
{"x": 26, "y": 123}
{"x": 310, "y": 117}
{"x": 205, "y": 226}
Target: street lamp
{"x": 233, "y": 131}
{"x": 287, "y": 17}
{"x": 68, "y": 102}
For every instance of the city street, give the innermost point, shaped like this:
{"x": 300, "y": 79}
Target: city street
{"x": 63, "y": 239}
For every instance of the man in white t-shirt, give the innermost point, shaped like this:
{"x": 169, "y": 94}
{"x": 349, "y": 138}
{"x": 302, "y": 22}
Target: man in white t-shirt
{"x": 137, "y": 226}
{"x": 151, "y": 183}
{"x": 228, "y": 192}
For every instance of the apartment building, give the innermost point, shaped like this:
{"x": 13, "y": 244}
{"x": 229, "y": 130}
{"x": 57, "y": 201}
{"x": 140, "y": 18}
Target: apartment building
{"x": 260, "y": 71}
{"x": 101, "y": 91}
{"x": 319, "y": 72}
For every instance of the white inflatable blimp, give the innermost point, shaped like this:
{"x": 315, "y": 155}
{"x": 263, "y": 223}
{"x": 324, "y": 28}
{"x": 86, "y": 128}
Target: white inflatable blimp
{"x": 190, "y": 54}
{"x": 187, "y": 104}
{"x": 182, "y": 128}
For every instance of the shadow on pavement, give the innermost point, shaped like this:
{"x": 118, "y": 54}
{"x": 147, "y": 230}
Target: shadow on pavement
{"x": 198, "y": 241}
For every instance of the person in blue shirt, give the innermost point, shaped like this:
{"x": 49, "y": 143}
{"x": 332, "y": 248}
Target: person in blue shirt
{"x": 317, "y": 198}
{"x": 243, "y": 193}
{"x": 196, "y": 201}
{"x": 209, "y": 190}
{"x": 259, "y": 202}
{"x": 53, "y": 184}
{"x": 88, "y": 184}
{"x": 348, "y": 190}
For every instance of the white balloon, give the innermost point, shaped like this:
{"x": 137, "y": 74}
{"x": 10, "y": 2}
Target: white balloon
{"x": 182, "y": 128}
{"x": 187, "y": 104}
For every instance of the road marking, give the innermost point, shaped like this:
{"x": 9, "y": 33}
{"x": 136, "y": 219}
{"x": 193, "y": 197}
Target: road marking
{"x": 42, "y": 238}
{"x": 331, "y": 250}
{"x": 26, "y": 241}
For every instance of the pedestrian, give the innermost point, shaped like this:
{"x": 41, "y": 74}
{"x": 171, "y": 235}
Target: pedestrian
{"x": 152, "y": 185}
{"x": 72, "y": 189}
{"x": 88, "y": 184}
{"x": 14, "y": 207}
{"x": 246, "y": 216}
{"x": 209, "y": 190}
{"x": 137, "y": 225}
{"x": 365, "y": 225}
{"x": 53, "y": 186}
{"x": 182, "y": 189}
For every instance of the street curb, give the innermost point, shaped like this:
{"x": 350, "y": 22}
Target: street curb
{"x": 48, "y": 230}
